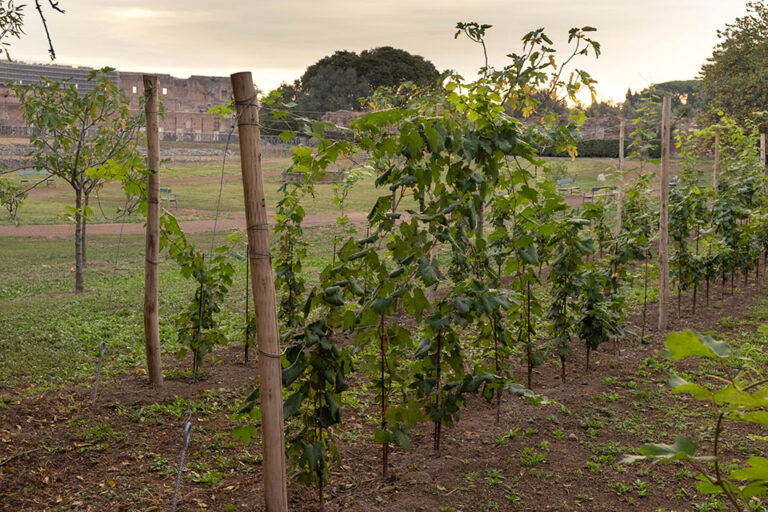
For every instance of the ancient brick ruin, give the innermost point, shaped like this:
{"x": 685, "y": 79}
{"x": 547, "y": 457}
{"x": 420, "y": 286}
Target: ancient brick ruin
{"x": 186, "y": 100}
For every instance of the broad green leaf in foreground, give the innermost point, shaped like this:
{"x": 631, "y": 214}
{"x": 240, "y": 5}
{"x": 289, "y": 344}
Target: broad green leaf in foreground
{"x": 689, "y": 343}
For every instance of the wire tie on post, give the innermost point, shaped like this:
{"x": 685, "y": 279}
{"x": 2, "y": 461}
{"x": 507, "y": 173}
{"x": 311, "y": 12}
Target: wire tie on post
{"x": 267, "y": 354}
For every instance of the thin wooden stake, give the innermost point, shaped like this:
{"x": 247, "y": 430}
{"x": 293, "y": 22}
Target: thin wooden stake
{"x": 152, "y": 241}
{"x": 620, "y": 199}
{"x": 433, "y": 251}
{"x": 263, "y": 287}
{"x": 664, "y": 217}
{"x": 762, "y": 150}
{"x": 716, "y": 173}
{"x": 621, "y": 145}
{"x": 247, "y": 313}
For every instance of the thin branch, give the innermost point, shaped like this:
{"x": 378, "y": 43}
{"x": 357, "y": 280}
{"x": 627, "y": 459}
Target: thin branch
{"x": 55, "y": 6}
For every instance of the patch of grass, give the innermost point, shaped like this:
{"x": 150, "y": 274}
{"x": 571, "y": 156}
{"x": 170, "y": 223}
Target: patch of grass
{"x": 103, "y": 432}
{"x": 531, "y": 458}
{"x": 49, "y": 336}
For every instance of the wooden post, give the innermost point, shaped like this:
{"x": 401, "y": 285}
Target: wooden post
{"x": 716, "y": 174}
{"x": 263, "y": 287}
{"x": 664, "y": 217}
{"x": 620, "y": 199}
{"x": 433, "y": 252}
{"x": 621, "y": 144}
{"x": 762, "y": 150}
{"x": 152, "y": 246}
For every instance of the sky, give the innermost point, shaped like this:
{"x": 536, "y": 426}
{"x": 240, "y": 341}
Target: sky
{"x": 643, "y": 42}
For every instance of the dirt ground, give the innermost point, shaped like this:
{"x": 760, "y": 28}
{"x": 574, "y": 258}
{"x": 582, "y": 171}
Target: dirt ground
{"x": 59, "y": 453}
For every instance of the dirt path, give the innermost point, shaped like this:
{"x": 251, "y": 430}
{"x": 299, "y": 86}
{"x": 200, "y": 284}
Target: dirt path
{"x": 59, "y": 190}
{"x": 136, "y": 228}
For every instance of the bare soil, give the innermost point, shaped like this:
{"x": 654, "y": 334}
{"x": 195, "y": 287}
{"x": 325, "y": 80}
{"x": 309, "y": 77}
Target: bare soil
{"x": 57, "y": 454}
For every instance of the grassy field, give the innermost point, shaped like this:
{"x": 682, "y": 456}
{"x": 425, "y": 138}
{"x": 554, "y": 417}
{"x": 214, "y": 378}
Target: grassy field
{"x": 49, "y": 340}
{"x": 568, "y": 451}
{"x": 197, "y": 187}
{"x": 48, "y": 334}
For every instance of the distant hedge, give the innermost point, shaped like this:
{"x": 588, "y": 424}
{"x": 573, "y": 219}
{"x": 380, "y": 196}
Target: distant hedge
{"x": 602, "y": 148}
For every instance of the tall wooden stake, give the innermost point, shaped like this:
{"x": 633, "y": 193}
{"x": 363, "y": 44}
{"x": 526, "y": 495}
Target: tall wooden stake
{"x": 620, "y": 200}
{"x": 664, "y": 217}
{"x": 716, "y": 173}
{"x": 433, "y": 252}
{"x": 762, "y": 149}
{"x": 152, "y": 248}
{"x": 263, "y": 287}
{"x": 621, "y": 144}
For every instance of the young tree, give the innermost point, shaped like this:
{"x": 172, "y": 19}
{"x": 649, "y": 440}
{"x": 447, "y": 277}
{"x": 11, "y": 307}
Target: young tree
{"x": 84, "y": 139}
{"x": 11, "y": 196}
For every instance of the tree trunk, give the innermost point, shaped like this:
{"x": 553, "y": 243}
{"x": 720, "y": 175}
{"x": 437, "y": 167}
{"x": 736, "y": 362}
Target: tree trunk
{"x": 384, "y": 397}
{"x": 695, "y": 292}
{"x": 707, "y": 290}
{"x": 82, "y": 234}
{"x": 480, "y": 222}
{"x": 562, "y": 368}
{"x": 78, "y": 242}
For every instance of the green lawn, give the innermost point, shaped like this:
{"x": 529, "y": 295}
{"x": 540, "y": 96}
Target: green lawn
{"x": 49, "y": 335}
{"x": 197, "y": 199}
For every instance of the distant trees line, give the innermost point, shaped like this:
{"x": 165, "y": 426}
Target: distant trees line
{"x": 733, "y": 80}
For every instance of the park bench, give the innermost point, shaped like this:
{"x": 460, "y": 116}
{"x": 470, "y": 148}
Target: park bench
{"x": 567, "y": 186}
{"x": 36, "y": 177}
{"x": 606, "y": 193}
{"x": 166, "y": 194}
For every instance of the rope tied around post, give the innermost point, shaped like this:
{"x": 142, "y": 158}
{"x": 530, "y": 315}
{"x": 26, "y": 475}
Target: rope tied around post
{"x": 274, "y": 356}
{"x": 260, "y": 255}
{"x": 248, "y": 102}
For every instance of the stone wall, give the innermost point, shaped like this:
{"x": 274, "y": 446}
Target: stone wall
{"x": 603, "y": 127}
{"x": 185, "y": 100}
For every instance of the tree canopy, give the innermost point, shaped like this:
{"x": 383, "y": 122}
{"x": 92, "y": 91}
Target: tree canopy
{"x": 685, "y": 95}
{"x": 734, "y": 79}
{"x": 336, "y": 82}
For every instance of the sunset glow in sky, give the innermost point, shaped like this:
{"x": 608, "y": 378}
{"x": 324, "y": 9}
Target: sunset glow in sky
{"x": 643, "y": 42}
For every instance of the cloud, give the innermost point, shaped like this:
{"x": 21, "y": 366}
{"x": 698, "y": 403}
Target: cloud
{"x": 660, "y": 40}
